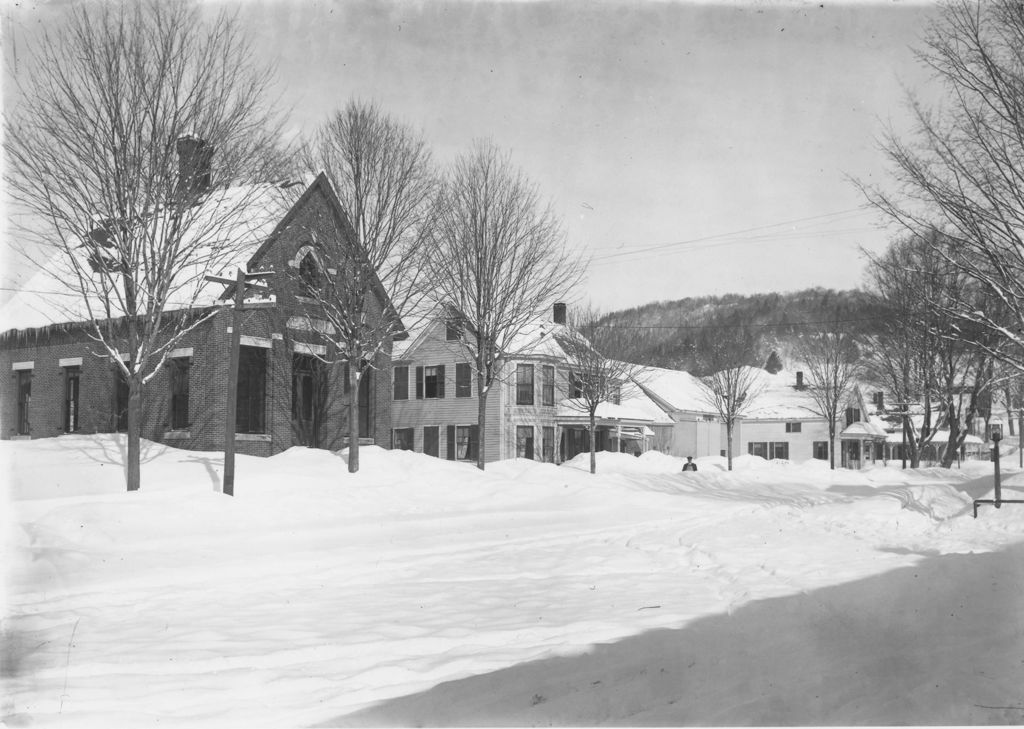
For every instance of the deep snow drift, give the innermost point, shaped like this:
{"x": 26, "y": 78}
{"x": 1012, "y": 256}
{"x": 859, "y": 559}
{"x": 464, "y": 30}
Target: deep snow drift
{"x": 313, "y": 593}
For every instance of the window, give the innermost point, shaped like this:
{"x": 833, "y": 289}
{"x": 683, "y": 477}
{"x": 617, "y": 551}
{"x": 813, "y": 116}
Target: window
{"x": 769, "y": 450}
{"x": 575, "y": 385}
{"x": 548, "y": 444}
{"x": 463, "y": 442}
{"x": 309, "y": 276}
{"x": 72, "y": 415}
{"x": 452, "y": 330}
{"x": 547, "y": 384}
{"x": 524, "y": 441}
{"x": 463, "y": 380}
{"x": 852, "y": 416}
{"x": 402, "y": 439}
{"x": 24, "y": 399}
{"x": 430, "y": 382}
{"x": 793, "y": 427}
{"x": 758, "y": 449}
{"x": 821, "y": 450}
{"x": 250, "y": 396}
{"x": 401, "y": 386}
{"x": 780, "y": 450}
{"x": 524, "y": 384}
{"x": 431, "y": 441}
{"x": 615, "y": 396}
{"x": 179, "y": 371}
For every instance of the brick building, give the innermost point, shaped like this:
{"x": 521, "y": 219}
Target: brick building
{"x": 291, "y": 389}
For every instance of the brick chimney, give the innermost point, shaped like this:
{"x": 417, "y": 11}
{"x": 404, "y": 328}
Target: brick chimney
{"x": 558, "y": 315}
{"x": 194, "y": 156}
{"x": 799, "y": 380}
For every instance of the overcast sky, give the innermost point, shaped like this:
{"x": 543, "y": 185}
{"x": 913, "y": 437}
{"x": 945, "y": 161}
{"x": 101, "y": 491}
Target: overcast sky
{"x": 690, "y": 148}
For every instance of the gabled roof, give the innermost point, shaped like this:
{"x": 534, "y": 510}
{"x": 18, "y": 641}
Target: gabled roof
{"x": 322, "y": 185}
{"x": 247, "y": 215}
{"x": 534, "y": 340}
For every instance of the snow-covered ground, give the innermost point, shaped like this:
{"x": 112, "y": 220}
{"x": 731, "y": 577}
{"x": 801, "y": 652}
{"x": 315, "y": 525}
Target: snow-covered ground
{"x": 313, "y": 593}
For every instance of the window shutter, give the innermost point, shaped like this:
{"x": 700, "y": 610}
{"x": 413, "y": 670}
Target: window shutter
{"x": 419, "y": 383}
{"x": 451, "y": 442}
{"x": 440, "y": 381}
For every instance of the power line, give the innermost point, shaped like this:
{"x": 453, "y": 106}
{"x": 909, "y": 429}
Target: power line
{"x": 662, "y": 246}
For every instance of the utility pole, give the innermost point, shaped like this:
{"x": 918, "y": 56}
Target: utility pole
{"x": 241, "y": 285}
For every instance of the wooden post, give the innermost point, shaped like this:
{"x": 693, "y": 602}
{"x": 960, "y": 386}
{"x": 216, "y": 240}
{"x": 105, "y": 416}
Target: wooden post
{"x": 996, "y": 437}
{"x": 232, "y": 388}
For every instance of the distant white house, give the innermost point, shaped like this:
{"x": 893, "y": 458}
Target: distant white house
{"x": 783, "y": 422}
{"x": 533, "y": 409}
{"x": 688, "y": 425}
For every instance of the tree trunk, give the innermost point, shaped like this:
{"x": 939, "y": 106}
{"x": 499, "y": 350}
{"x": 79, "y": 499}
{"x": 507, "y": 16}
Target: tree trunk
{"x": 593, "y": 444}
{"x": 355, "y": 378}
{"x": 952, "y": 444}
{"x": 728, "y": 443}
{"x": 133, "y": 469}
{"x": 481, "y": 417}
{"x": 832, "y": 445}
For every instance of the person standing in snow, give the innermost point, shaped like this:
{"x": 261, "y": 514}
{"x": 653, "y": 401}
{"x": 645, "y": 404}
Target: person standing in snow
{"x": 689, "y": 465}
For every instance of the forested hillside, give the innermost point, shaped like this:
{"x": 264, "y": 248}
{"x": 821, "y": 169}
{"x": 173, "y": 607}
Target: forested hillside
{"x": 675, "y": 333}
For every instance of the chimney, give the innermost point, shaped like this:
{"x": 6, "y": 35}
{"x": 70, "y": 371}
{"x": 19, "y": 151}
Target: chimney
{"x": 194, "y": 157}
{"x": 799, "y": 380}
{"x": 559, "y": 313}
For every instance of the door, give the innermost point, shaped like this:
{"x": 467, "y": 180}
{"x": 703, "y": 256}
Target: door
{"x": 431, "y": 441}
{"x": 72, "y": 379}
{"x": 24, "y": 398}
{"x": 306, "y": 400}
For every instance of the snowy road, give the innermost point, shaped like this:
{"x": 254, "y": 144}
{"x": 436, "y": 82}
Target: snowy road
{"x": 314, "y": 594}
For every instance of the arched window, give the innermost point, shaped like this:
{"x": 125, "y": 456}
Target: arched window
{"x": 309, "y": 275}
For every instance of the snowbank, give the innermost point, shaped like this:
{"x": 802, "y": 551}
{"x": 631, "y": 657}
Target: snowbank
{"x": 314, "y": 593}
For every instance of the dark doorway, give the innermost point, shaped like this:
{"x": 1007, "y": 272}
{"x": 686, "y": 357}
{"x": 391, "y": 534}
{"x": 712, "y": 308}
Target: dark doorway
{"x": 524, "y": 441}
{"x": 72, "y": 380}
{"x": 365, "y": 387}
{"x": 431, "y": 441}
{"x": 24, "y": 398}
{"x": 307, "y": 399}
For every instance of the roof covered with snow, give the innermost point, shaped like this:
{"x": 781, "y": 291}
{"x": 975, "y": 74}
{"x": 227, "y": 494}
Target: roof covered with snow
{"x": 632, "y": 410}
{"x": 678, "y": 390}
{"x": 226, "y": 230}
{"x": 780, "y": 399}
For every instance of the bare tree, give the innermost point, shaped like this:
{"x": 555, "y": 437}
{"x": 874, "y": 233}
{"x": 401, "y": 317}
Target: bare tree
{"x": 499, "y": 260}
{"x": 830, "y": 359}
{"x": 132, "y": 123}
{"x": 924, "y": 357}
{"x": 598, "y": 377}
{"x": 382, "y": 172}
{"x": 963, "y": 170}
{"x": 731, "y": 385}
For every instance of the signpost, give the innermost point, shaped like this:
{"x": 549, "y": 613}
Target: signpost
{"x": 999, "y": 500}
{"x": 242, "y": 286}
